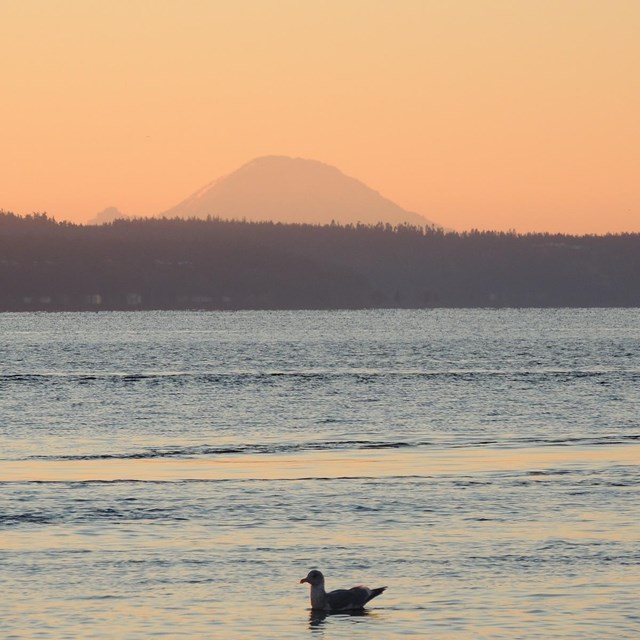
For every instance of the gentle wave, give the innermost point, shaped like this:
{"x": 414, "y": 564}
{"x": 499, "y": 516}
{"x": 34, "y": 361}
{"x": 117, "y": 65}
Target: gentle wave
{"x": 89, "y": 515}
{"x": 339, "y": 445}
{"x": 77, "y": 503}
{"x": 224, "y": 376}
{"x": 249, "y": 449}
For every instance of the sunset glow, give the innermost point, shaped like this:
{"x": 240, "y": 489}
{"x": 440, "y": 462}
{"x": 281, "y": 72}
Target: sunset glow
{"x": 477, "y": 114}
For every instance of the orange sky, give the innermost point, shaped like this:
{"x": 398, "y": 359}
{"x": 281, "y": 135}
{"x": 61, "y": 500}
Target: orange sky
{"x": 494, "y": 114}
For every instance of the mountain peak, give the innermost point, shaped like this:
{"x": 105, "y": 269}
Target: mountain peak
{"x": 285, "y": 189}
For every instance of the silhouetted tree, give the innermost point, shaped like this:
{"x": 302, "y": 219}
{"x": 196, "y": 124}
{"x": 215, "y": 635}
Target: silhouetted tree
{"x": 217, "y": 264}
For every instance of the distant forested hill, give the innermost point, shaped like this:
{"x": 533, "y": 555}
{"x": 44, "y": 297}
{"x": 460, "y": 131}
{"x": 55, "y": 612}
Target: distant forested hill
{"x": 216, "y": 264}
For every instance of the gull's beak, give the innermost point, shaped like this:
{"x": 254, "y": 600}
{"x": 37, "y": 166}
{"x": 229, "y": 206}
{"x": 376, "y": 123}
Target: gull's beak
{"x": 304, "y": 580}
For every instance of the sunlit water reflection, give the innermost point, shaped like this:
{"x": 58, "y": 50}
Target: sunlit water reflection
{"x": 169, "y": 474}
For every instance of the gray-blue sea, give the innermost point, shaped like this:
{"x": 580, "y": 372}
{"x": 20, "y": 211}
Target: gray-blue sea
{"x": 174, "y": 475}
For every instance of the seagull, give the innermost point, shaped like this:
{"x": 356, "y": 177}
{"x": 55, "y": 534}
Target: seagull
{"x": 340, "y": 599}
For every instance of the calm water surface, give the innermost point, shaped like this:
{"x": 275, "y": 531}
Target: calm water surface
{"x": 176, "y": 474}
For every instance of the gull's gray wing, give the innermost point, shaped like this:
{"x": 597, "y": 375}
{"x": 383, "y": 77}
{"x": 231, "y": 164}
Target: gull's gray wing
{"x": 345, "y": 599}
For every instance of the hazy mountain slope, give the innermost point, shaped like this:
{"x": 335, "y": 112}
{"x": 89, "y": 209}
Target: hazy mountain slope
{"x": 107, "y": 215}
{"x": 286, "y": 189}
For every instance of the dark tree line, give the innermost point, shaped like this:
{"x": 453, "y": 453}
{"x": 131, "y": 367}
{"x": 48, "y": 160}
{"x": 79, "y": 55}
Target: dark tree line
{"x": 217, "y": 264}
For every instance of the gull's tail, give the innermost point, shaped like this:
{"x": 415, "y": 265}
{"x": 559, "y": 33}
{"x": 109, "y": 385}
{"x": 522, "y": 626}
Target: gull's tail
{"x": 376, "y": 592}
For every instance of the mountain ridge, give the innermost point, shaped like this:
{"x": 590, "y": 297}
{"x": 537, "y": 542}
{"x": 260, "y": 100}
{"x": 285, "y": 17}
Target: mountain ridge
{"x": 292, "y": 190}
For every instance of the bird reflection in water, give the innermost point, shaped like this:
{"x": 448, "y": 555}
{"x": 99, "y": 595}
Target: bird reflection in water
{"x": 318, "y": 618}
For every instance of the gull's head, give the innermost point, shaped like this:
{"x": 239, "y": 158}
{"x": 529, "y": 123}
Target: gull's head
{"x": 314, "y": 577}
